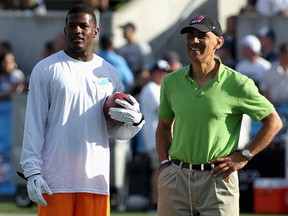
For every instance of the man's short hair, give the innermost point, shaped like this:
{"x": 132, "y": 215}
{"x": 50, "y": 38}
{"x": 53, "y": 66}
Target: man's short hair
{"x": 82, "y": 8}
{"x": 106, "y": 40}
{"x": 128, "y": 25}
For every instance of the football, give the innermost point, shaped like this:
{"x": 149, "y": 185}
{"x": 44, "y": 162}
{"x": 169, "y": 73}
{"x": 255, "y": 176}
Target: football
{"x": 110, "y": 102}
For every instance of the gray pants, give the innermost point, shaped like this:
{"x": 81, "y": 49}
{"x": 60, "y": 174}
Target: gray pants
{"x": 183, "y": 192}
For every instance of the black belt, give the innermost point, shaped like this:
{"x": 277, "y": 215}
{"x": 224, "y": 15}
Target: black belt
{"x": 193, "y": 166}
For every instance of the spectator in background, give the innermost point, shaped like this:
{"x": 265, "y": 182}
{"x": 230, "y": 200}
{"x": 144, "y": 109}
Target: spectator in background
{"x": 49, "y": 48}
{"x": 2, "y": 5}
{"x": 275, "y": 80}
{"x": 141, "y": 77}
{"x": 12, "y": 80}
{"x": 267, "y": 38}
{"x": 59, "y": 41}
{"x": 5, "y": 46}
{"x": 150, "y": 100}
{"x": 173, "y": 60}
{"x": 275, "y": 85}
{"x": 137, "y": 54}
{"x": 249, "y": 8}
{"x": 230, "y": 35}
{"x": 108, "y": 53}
{"x": 253, "y": 65}
{"x": 37, "y": 6}
{"x": 272, "y": 7}
{"x": 225, "y": 54}
{"x": 97, "y": 5}
{"x": 6, "y": 4}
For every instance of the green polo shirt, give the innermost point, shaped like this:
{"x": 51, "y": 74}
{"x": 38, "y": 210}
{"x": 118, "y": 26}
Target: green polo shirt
{"x": 208, "y": 120}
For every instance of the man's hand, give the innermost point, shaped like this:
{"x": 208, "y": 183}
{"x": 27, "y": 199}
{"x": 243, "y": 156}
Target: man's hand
{"x": 35, "y": 186}
{"x": 130, "y": 113}
{"x": 229, "y": 164}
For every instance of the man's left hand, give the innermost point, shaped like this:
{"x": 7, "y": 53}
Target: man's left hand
{"x": 130, "y": 113}
{"x": 228, "y": 164}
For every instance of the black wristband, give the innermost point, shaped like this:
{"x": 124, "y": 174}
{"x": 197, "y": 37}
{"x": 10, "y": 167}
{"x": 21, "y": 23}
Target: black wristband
{"x": 21, "y": 175}
{"x": 136, "y": 124}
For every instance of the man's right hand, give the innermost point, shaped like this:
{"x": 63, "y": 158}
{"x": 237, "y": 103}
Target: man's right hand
{"x": 35, "y": 186}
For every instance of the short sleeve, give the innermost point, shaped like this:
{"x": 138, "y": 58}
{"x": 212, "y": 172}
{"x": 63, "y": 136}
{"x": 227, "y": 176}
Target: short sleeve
{"x": 165, "y": 110}
{"x": 253, "y": 103}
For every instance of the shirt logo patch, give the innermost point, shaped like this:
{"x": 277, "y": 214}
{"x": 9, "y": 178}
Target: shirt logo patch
{"x": 102, "y": 81}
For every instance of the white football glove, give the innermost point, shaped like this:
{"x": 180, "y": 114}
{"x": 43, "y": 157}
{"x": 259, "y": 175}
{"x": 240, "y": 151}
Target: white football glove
{"x": 35, "y": 186}
{"x": 129, "y": 114}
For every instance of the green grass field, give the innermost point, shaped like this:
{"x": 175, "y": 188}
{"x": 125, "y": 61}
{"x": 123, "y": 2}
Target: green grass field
{"x": 10, "y": 208}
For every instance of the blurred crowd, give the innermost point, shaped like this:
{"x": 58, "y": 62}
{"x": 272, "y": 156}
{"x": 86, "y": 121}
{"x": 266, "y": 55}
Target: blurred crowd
{"x": 40, "y": 7}
{"x": 141, "y": 72}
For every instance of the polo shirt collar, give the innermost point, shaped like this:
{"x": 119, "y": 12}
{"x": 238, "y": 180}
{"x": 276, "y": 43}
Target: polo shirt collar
{"x": 220, "y": 70}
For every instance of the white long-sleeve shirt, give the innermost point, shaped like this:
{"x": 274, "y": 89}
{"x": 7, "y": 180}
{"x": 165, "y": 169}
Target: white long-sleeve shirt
{"x": 65, "y": 133}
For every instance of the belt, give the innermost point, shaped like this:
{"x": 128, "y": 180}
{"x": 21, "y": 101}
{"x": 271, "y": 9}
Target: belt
{"x": 193, "y": 166}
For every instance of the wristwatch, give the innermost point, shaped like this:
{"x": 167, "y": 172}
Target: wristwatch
{"x": 246, "y": 153}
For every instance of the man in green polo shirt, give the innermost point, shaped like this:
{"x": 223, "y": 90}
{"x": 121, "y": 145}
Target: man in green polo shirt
{"x": 205, "y": 102}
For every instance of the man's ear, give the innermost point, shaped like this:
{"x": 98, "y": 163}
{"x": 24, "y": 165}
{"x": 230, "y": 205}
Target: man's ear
{"x": 220, "y": 42}
{"x": 96, "y": 32}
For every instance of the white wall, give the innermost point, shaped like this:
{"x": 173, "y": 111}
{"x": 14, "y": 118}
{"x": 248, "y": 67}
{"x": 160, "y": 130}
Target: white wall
{"x": 28, "y": 33}
{"x": 151, "y": 17}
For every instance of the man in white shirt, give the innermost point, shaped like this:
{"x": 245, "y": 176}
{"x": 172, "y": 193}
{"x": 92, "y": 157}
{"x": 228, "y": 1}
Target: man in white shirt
{"x": 275, "y": 80}
{"x": 275, "y": 86}
{"x": 150, "y": 100}
{"x": 253, "y": 65}
{"x": 65, "y": 148}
